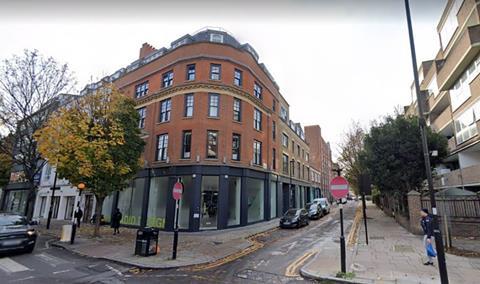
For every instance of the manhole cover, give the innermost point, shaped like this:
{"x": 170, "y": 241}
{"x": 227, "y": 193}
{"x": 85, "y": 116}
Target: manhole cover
{"x": 377, "y": 238}
{"x": 403, "y": 248}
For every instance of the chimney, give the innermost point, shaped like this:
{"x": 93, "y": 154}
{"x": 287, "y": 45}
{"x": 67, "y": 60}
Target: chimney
{"x": 146, "y": 49}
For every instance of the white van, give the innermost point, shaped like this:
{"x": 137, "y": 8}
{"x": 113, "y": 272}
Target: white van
{"x": 324, "y": 204}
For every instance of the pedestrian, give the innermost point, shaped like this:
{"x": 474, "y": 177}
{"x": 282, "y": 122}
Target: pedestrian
{"x": 427, "y": 226}
{"x": 78, "y": 216}
{"x": 116, "y": 217}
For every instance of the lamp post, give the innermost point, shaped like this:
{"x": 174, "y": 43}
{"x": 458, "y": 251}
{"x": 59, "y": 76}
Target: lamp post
{"x": 80, "y": 187}
{"x": 50, "y": 210}
{"x": 442, "y": 267}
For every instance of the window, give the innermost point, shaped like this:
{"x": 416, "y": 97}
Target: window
{"x": 293, "y": 147}
{"x": 303, "y": 154}
{"x": 48, "y": 172}
{"x": 285, "y": 163}
{"x": 237, "y": 77}
{"x": 213, "y": 105}
{"x": 274, "y": 130}
{"x": 274, "y": 105}
{"x": 257, "y": 90}
{"x": 215, "y": 70}
{"x": 298, "y": 169}
{"x": 257, "y": 152}
{"x": 188, "y": 105}
{"x": 461, "y": 90}
{"x": 237, "y": 110}
{"x": 450, "y": 25}
{"x": 292, "y": 168}
{"x": 283, "y": 113}
{"x": 274, "y": 159}
{"x": 236, "y": 147}
{"x": 165, "y": 108}
{"x": 298, "y": 150}
{"x": 212, "y": 144}
{"x": 187, "y": 144}
{"x": 142, "y": 112}
{"x": 162, "y": 147}
{"x": 191, "y": 72}
{"x": 284, "y": 140}
{"x": 257, "y": 119}
{"x": 465, "y": 126}
{"x": 168, "y": 79}
{"x": 307, "y": 157}
{"x": 141, "y": 89}
{"x": 216, "y": 38}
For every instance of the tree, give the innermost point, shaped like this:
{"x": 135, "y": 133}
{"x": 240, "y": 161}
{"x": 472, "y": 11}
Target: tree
{"x": 393, "y": 155}
{"x": 95, "y": 140}
{"x": 29, "y": 92}
{"x": 350, "y": 149}
{"x": 5, "y": 161}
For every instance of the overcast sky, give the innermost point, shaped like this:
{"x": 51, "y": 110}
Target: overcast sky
{"x": 335, "y": 61}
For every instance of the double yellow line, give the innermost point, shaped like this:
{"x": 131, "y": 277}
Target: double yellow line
{"x": 292, "y": 269}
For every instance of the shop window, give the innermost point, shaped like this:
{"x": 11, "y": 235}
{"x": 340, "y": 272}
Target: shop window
{"x": 255, "y": 199}
{"x": 130, "y": 203}
{"x": 209, "y": 202}
{"x": 234, "y": 191}
{"x": 273, "y": 199}
{"x": 157, "y": 202}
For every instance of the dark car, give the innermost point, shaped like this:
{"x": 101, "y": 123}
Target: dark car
{"x": 314, "y": 210}
{"x": 294, "y": 218}
{"x": 16, "y": 233}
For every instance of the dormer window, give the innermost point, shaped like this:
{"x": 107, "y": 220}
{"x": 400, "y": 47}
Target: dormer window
{"x": 216, "y": 38}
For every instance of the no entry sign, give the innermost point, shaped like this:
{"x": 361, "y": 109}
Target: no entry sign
{"x": 177, "y": 191}
{"x": 339, "y": 187}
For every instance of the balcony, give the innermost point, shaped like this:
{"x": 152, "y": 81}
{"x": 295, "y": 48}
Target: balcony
{"x": 460, "y": 56}
{"x": 438, "y": 103}
{"x": 469, "y": 175}
{"x": 442, "y": 120}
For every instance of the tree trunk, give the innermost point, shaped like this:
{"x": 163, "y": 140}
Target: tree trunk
{"x": 32, "y": 193}
{"x": 98, "y": 215}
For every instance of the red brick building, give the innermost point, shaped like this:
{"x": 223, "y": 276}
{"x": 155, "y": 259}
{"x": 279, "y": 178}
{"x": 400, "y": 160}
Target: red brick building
{"x": 213, "y": 116}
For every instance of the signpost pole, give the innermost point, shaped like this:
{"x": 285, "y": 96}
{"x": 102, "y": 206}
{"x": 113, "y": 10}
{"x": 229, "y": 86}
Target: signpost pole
{"x": 50, "y": 210}
{"x": 339, "y": 189}
{"x": 177, "y": 195}
{"x": 365, "y": 216}
{"x": 342, "y": 242}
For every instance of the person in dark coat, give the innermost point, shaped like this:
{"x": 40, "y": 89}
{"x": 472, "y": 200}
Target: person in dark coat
{"x": 116, "y": 217}
{"x": 78, "y": 216}
{"x": 427, "y": 226}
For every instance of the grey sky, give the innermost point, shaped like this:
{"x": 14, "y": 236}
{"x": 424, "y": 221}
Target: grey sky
{"x": 335, "y": 61}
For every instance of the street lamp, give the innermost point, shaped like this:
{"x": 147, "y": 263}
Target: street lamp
{"x": 50, "y": 210}
{"x": 442, "y": 266}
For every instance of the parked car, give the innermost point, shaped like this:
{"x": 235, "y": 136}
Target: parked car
{"x": 16, "y": 233}
{"x": 324, "y": 204}
{"x": 294, "y": 218}
{"x": 314, "y": 210}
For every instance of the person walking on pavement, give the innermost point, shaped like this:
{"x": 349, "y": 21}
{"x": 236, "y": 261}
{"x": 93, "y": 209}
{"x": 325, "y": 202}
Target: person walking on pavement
{"x": 427, "y": 226}
{"x": 78, "y": 216}
{"x": 116, "y": 217}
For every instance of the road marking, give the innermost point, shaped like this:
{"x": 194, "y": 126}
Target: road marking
{"x": 22, "y": 279}
{"x": 9, "y": 265}
{"x": 292, "y": 269}
{"x": 50, "y": 259}
{"x": 61, "y": 271}
{"x": 114, "y": 270}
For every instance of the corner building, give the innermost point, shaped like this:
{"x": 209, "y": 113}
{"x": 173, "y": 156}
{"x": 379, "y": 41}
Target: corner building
{"x": 213, "y": 117}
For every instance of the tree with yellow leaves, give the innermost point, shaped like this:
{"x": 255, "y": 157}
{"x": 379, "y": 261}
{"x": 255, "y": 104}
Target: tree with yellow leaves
{"x": 95, "y": 140}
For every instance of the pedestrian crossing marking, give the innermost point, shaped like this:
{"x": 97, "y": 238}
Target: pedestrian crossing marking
{"x": 50, "y": 259}
{"x": 10, "y": 266}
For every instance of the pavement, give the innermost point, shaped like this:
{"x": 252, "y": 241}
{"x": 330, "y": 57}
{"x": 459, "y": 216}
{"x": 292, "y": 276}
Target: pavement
{"x": 393, "y": 255}
{"x": 194, "y": 248}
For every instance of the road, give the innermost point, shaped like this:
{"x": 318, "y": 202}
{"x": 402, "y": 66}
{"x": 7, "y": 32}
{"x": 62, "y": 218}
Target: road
{"x": 278, "y": 261}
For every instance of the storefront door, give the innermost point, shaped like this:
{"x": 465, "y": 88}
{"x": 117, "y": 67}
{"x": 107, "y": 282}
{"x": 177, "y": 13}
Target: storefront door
{"x": 209, "y": 203}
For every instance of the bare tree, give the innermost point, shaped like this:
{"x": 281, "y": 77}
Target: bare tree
{"x": 30, "y": 86}
{"x": 350, "y": 149}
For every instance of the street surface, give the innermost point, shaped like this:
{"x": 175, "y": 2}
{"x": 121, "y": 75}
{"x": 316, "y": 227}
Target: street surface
{"x": 284, "y": 252}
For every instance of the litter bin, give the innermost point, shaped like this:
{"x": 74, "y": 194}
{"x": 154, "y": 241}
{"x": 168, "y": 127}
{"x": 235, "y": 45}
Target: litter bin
{"x": 146, "y": 242}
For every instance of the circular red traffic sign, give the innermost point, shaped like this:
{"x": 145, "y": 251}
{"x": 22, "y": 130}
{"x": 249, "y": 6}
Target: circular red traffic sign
{"x": 177, "y": 191}
{"x": 339, "y": 187}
